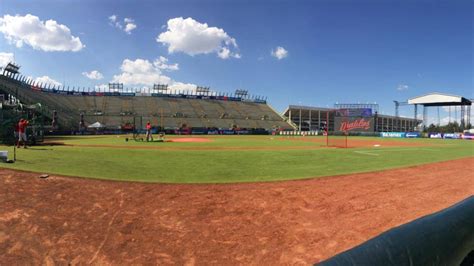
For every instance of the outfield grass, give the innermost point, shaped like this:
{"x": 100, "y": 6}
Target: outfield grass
{"x": 226, "y": 159}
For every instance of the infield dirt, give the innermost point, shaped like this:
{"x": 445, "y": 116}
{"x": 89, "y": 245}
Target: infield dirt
{"x": 73, "y": 220}
{"x": 353, "y": 143}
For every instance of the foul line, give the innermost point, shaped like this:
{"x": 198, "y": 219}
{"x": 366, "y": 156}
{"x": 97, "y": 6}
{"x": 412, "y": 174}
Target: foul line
{"x": 406, "y": 149}
{"x": 367, "y": 153}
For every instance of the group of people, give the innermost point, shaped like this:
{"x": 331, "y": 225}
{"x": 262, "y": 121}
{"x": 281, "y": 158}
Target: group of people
{"x": 20, "y": 132}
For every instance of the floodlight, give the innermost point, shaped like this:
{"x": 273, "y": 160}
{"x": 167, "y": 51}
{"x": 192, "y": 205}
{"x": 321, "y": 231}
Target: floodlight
{"x": 11, "y": 68}
{"x": 115, "y": 86}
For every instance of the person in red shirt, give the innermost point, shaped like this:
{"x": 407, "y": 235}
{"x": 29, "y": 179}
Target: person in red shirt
{"x": 22, "y": 132}
{"x": 148, "y": 132}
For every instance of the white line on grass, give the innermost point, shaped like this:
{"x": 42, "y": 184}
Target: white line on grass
{"x": 367, "y": 153}
{"x": 407, "y": 149}
{"x": 371, "y": 152}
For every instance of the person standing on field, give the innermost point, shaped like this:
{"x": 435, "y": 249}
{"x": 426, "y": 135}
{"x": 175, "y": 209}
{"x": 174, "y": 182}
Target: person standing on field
{"x": 148, "y": 132}
{"x": 22, "y": 132}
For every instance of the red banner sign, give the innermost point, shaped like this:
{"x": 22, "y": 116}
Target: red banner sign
{"x": 359, "y": 124}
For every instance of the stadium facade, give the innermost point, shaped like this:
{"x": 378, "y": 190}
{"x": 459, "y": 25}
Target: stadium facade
{"x": 308, "y": 118}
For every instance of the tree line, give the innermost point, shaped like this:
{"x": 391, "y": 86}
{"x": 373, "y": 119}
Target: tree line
{"x": 451, "y": 127}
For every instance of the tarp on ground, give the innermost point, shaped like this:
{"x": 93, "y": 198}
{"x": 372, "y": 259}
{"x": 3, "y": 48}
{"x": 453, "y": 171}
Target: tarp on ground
{"x": 442, "y": 238}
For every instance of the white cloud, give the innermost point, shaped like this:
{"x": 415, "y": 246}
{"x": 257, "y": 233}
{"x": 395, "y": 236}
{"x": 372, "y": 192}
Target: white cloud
{"x": 128, "y": 24}
{"x": 442, "y": 121}
{"x": 192, "y": 37}
{"x": 453, "y": 109}
{"x": 445, "y": 120}
{"x": 45, "y": 80}
{"x": 113, "y": 22}
{"x": 279, "y": 53}
{"x": 182, "y": 86}
{"x": 94, "y": 74}
{"x": 101, "y": 86}
{"x": 113, "y": 18}
{"x": 6, "y": 58}
{"x": 141, "y": 73}
{"x": 448, "y": 108}
{"x": 402, "y": 87}
{"x": 47, "y": 35}
{"x": 224, "y": 53}
{"x": 161, "y": 63}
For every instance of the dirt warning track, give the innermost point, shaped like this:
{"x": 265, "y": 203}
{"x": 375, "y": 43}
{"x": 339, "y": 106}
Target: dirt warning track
{"x": 73, "y": 220}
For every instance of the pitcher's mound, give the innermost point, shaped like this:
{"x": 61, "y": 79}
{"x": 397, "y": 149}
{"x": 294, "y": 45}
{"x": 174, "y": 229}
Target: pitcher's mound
{"x": 190, "y": 140}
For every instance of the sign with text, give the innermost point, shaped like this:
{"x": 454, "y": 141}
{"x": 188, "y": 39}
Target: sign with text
{"x": 435, "y": 135}
{"x": 354, "y": 124}
{"x": 452, "y": 135}
{"x": 392, "y": 134}
{"x": 413, "y": 135}
{"x": 354, "y": 112}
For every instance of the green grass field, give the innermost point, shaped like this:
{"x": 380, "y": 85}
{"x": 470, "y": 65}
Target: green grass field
{"x": 227, "y": 158}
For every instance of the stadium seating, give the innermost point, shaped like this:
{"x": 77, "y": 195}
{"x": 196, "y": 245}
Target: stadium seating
{"x": 167, "y": 112}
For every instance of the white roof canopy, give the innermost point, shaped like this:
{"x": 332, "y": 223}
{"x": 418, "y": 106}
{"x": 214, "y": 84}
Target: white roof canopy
{"x": 439, "y": 99}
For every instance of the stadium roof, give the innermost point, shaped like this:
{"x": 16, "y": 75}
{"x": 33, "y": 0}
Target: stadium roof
{"x": 439, "y": 99}
{"x": 303, "y": 109}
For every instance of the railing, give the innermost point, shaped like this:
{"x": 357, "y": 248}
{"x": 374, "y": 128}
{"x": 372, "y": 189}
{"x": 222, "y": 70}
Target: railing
{"x": 187, "y": 94}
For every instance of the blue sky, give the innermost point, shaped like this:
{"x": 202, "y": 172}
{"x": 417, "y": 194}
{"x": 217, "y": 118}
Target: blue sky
{"x": 330, "y": 51}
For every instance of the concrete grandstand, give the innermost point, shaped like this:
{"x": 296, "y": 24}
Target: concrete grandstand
{"x": 131, "y": 110}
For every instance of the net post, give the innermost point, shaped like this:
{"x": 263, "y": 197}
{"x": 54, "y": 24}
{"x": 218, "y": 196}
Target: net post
{"x": 346, "y": 133}
{"x": 327, "y": 128}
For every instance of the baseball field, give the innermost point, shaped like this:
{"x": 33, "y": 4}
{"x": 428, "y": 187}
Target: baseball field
{"x": 219, "y": 199}
{"x": 228, "y": 159}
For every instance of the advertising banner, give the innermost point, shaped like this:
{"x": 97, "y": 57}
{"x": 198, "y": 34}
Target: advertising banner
{"x": 354, "y": 124}
{"x": 412, "y": 135}
{"x": 452, "y": 135}
{"x": 246, "y": 100}
{"x": 227, "y": 132}
{"x": 435, "y": 135}
{"x": 392, "y": 134}
{"x": 354, "y": 112}
{"x": 142, "y": 94}
{"x": 213, "y": 132}
{"x": 468, "y": 136}
{"x": 114, "y": 93}
{"x": 198, "y": 132}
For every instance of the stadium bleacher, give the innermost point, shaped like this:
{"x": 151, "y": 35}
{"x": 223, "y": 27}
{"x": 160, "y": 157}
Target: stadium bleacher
{"x": 165, "y": 111}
